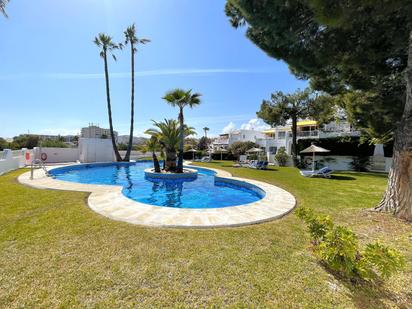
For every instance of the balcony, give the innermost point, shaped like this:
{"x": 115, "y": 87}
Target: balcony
{"x": 308, "y": 134}
{"x": 221, "y": 142}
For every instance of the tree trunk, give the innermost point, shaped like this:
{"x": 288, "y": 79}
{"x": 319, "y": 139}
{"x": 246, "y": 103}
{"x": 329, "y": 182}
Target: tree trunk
{"x": 181, "y": 142}
{"x": 294, "y": 138}
{"x": 155, "y": 163}
{"x": 398, "y": 195}
{"x": 170, "y": 161}
{"x": 129, "y": 146}
{"x": 109, "y": 109}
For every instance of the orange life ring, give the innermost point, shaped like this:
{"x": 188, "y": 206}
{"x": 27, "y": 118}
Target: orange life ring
{"x": 43, "y": 156}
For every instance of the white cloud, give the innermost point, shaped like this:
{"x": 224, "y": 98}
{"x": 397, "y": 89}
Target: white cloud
{"x": 229, "y": 128}
{"x": 254, "y": 124}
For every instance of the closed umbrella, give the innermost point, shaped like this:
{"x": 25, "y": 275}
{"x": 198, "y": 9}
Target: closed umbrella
{"x": 314, "y": 149}
{"x": 252, "y": 150}
{"x": 192, "y": 151}
{"x": 255, "y": 150}
{"x": 222, "y": 150}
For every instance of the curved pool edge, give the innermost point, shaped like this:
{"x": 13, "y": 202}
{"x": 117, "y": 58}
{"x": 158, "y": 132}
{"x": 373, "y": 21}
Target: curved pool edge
{"x": 109, "y": 201}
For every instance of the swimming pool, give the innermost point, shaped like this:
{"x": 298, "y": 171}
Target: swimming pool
{"x": 205, "y": 191}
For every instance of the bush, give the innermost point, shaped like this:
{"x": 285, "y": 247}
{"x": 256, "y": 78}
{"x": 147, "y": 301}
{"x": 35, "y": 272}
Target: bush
{"x": 340, "y": 146}
{"x": 281, "y": 156}
{"x": 239, "y": 148}
{"x": 204, "y": 143}
{"x": 337, "y": 247}
{"x": 360, "y": 163}
{"x": 52, "y": 143}
{"x": 122, "y": 146}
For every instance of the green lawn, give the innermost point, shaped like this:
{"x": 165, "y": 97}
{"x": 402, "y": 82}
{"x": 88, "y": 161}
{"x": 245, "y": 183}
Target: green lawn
{"x": 56, "y": 252}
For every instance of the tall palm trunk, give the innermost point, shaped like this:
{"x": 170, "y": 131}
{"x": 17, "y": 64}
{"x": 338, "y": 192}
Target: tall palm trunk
{"x": 181, "y": 143}
{"x": 398, "y": 195}
{"x": 129, "y": 147}
{"x": 109, "y": 109}
{"x": 294, "y": 140}
{"x": 155, "y": 162}
{"x": 171, "y": 160}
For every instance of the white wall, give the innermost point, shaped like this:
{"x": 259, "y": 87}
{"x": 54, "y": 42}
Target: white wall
{"x": 11, "y": 160}
{"x": 56, "y": 155}
{"x": 388, "y": 164}
{"x": 95, "y": 150}
{"x": 245, "y": 136}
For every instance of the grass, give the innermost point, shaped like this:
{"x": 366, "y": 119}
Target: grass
{"x": 56, "y": 252}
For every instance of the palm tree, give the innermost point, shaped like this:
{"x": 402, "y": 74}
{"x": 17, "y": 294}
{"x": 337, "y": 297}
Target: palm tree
{"x": 168, "y": 135}
{"x": 181, "y": 99}
{"x": 3, "y": 4}
{"x": 107, "y": 46}
{"x": 152, "y": 145}
{"x": 205, "y": 129}
{"x": 132, "y": 39}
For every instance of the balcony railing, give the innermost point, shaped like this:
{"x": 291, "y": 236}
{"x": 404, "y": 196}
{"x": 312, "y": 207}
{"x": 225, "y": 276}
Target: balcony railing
{"x": 314, "y": 133}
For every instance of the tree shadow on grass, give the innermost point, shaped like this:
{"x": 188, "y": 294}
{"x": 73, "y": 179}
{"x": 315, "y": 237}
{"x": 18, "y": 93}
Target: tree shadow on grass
{"x": 367, "y": 294}
{"x": 341, "y": 177}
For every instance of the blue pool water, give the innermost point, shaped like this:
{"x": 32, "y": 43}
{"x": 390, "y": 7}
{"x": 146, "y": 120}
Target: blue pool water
{"x": 203, "y": 192}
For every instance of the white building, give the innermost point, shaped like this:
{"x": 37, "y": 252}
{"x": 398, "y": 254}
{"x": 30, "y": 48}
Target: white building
{"x": 272, "y": 139}
{"x": 223, "y": 141}
{"x": 306, "y": 129}
{"x": 93, "y": 131}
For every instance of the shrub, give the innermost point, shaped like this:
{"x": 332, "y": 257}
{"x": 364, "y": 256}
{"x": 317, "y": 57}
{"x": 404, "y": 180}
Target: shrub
{"x": 122, "y": 146}
{"x": 360, "y": 163}
{"x": 341, "y": 146}
{"x": 239, "y": 148}
{"x": 337, "y": 247}
{"x": 281, "y": 156}
{"x": 204, "y": 143}
{"x": 379, "y": 260}
{"x": 339, "y": 250}
{"x": 52, "y": 143}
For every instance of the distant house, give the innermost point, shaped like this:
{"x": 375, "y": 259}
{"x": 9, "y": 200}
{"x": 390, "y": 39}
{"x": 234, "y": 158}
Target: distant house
{"x": 223, "y": 141}
{"x": 137, "y": 140}
{"x": 272, "y": 139}
{"x": 93, "y": 131}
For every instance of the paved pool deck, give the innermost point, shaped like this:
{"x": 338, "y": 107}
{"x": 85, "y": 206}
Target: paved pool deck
{"x": 110, "y": 202}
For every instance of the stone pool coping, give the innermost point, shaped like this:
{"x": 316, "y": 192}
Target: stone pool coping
{"x": 110, "y": 202}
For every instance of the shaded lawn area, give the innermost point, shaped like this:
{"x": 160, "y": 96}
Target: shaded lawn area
{"x": 55, "y": 251}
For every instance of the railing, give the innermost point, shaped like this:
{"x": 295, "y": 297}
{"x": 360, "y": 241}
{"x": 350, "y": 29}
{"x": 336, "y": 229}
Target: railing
{"x": 40, "y": 164}
{"x": 221, "y": 141}
{"x": 314, "y": 133}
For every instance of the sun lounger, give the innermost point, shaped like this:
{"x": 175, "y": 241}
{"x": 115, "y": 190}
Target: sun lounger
{"x": 259, "y": 165}
{"x": 241, "y": 163}
{"x": 264, "y": 165}
{"x": 325, "y": 172}
{"x": 206, "y": 159}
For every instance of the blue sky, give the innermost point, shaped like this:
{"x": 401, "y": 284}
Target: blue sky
{"x": 51, "y": 76}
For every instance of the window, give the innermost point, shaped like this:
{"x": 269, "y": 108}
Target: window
{"x": 281, "y": 135}
{"x": 273, "y": 150}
